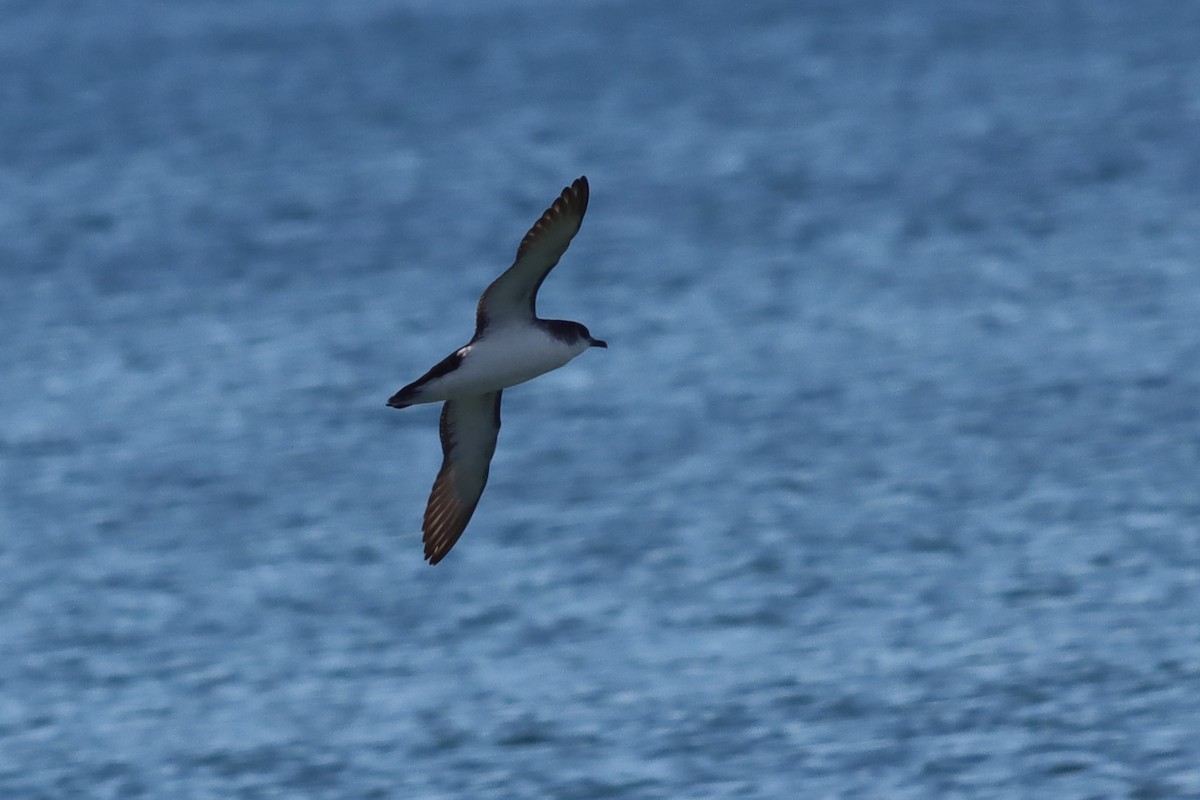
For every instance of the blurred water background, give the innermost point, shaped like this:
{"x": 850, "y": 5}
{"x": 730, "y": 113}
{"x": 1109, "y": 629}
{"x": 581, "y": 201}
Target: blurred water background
{"x": 886, "y": 487}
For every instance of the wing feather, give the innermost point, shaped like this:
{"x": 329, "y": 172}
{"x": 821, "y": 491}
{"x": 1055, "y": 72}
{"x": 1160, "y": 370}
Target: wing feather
{"x": 469, "y": 428}
{"x": 513, "y": 296}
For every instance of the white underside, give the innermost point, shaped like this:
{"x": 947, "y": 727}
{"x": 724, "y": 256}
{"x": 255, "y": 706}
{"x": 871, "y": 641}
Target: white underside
{"x": 501, "y": 359}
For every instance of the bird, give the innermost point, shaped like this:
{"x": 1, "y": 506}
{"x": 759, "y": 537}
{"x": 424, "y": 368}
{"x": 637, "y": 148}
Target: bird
{"x": 511, "y": 345}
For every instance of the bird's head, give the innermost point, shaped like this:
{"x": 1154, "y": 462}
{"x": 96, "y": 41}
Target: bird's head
{"x": 592, "y": 342}
{"x": 572, "y": 333}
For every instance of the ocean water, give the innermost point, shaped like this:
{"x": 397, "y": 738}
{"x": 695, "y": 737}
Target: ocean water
{"x": 886, "y": 487}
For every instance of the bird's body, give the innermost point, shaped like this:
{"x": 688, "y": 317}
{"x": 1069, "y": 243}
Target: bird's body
{"x": 504, "y": 358}
{"x": 511, "y": 345}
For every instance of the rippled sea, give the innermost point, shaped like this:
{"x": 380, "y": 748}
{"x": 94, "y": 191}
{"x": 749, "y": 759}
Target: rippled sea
{"x": 886, "y": 487}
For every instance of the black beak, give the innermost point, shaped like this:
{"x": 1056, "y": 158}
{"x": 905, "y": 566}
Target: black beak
{"x": 598, "y": 343}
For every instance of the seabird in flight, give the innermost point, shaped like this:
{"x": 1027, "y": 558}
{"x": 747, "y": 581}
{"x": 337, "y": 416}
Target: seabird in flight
{"x": 511, "y": 345}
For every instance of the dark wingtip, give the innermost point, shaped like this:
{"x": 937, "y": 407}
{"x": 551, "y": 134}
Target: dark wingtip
{"x": 579, "y": 187}
{"x": 572, "y": 200}
{"x": 573, "y": 197}
{"x": 398, "y": 400}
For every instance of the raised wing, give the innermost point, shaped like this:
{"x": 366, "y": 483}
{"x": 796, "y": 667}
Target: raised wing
{"x": 469, "y": 428}
{"x": 513, "y": 296}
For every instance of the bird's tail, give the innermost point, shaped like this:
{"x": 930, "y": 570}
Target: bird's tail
{"x": 405, "y": 397}
{"x": 400, "y": 400}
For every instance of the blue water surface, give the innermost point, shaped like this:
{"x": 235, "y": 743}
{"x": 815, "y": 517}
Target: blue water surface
{"x": 886, "y": 487}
